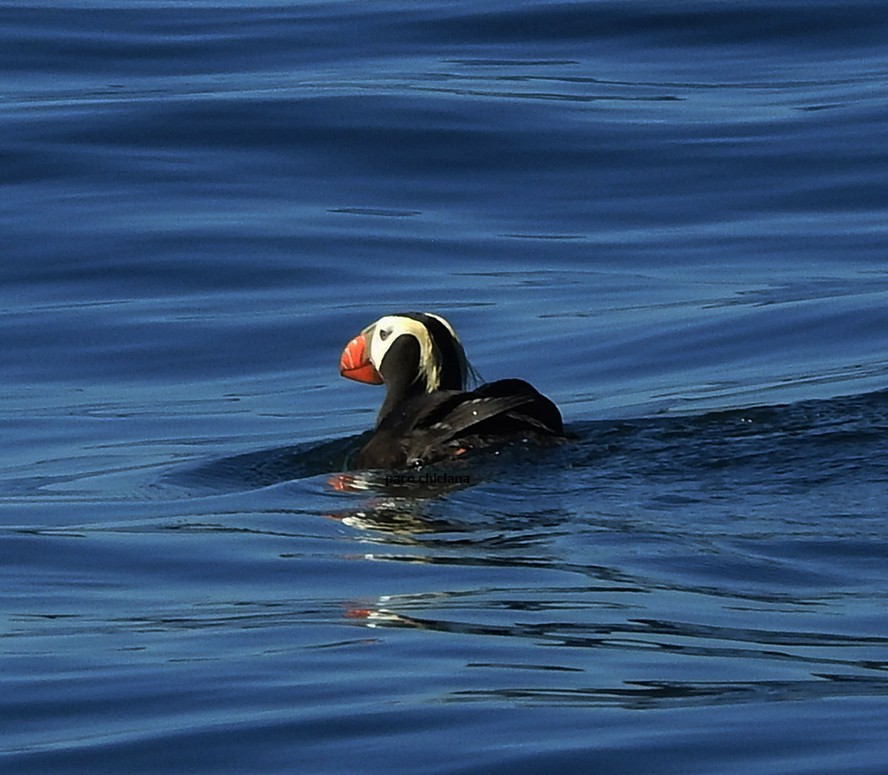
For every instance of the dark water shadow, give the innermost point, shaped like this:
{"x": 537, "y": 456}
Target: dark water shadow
{"x": 651, "y": 695}
{"x": 268, "y": 467}
{"x": 331, "y": 458}
{"x": 795, "y": 444}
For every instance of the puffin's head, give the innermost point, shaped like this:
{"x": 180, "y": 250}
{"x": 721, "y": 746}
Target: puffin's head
{"x": 407, "y": 348}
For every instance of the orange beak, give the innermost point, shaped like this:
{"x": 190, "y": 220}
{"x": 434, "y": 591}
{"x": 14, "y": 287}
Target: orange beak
{"x": 355, "y": 362}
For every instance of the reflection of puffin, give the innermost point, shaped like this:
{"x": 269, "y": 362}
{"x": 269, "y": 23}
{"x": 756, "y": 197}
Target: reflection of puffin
{"x": 427, "y": 416}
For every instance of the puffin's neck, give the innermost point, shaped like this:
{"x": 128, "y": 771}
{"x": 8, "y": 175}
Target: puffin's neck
{"x": 400, "y": 372}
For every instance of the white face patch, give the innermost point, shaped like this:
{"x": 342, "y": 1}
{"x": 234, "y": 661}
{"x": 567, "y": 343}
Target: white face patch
{"x": 386, "y": 330}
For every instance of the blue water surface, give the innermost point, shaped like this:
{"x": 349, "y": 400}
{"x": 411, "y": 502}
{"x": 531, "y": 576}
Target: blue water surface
{"x": 672, "y": 218}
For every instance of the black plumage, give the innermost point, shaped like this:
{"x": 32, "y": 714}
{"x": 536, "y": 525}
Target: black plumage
{"x": 427, "y": 416}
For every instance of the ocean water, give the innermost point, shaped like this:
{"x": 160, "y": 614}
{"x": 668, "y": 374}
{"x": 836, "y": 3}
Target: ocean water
{"x": 670, "y": 217}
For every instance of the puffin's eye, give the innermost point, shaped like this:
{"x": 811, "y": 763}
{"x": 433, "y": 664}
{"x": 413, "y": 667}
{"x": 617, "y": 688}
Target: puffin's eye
{"x": 384, "y": 334}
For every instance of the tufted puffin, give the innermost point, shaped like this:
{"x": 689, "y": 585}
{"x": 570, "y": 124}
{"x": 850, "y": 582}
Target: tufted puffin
{"x": 428, "y": 415}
